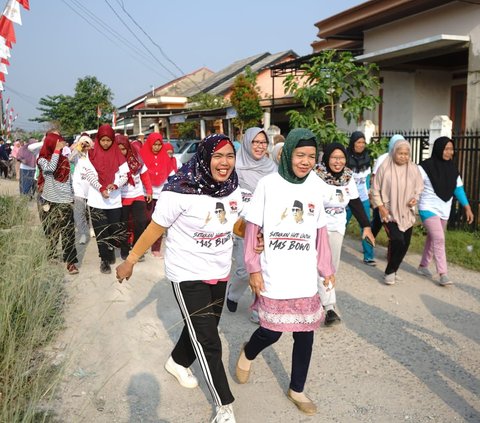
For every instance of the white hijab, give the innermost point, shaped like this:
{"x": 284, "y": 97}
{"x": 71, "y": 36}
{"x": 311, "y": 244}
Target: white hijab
{"x": 250, "y": 170}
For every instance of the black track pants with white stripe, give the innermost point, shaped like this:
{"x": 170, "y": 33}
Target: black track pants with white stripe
{"x": 201, "y": 307}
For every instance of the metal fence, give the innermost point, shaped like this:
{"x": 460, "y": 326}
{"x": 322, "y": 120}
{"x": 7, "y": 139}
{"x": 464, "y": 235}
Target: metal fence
{"x": 418, "y": 139}
{"x": 467, "y": 159}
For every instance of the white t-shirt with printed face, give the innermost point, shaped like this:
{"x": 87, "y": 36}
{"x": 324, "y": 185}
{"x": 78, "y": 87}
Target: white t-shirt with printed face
{"x": 336, "y": 200}
{"x": 290, "y": 215}
{"x": 199, "y": 238}
{"x": 429, "y": 201}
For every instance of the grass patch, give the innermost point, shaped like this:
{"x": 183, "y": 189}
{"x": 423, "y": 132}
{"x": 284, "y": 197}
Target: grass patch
{"x": 31, "y": 303}
{"x": 457, "y": 244}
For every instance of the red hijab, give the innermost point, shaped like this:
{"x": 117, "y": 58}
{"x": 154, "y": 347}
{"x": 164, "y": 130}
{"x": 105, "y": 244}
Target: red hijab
{"x": 169, "y": 147}
{"x": 62, "y": 172}
{"x": 159, "y": 165}
{"x": 106, "y": 162}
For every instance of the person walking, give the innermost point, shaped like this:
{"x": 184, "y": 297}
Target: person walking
{"x": 288, "y": 207}
{"x": 359, "y": 162}
{"x": 340, "y": 191}
{"x": 27, "y": 168}
{"x": 441, "y": 183}
{"x": 252, "y": 164}
{"x": 395, "y": 191}
{"x": 133, "y": 199}
{"x": 106, "y": 171}
{"x": 55, "y": 188}
{"x": 160, "y": 167}
{"x": 199, "y": 206}
{"x": 81, "y": 213}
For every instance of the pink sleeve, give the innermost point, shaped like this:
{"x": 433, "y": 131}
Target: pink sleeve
{"x": 324, "y": 255}
{"x": 252, "y": 259}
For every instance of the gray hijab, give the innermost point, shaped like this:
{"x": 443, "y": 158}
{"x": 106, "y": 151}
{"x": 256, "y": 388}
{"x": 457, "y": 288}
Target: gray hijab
{"x": 249, "y": 170}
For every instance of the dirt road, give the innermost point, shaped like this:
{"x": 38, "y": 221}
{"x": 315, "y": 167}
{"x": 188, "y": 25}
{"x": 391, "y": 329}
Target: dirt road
{"x": 404, "y": 353}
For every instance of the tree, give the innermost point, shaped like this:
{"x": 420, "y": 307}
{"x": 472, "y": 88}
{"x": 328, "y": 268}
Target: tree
{"x": 245, "y": 99}
{"x": 332, "y": 81}
{"x": 206, "y": 101}
{"x": 73, "y": 115}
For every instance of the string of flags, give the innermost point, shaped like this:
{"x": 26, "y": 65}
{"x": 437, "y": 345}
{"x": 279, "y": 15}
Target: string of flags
{"x": 11, "y": 15}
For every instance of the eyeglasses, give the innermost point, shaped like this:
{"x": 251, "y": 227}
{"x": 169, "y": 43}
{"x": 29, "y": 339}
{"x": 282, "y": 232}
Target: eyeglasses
{"x": 259, "y": 143}
{"x": 338, "y": 158}
{"x": 296, "y": 209}
{"x": 218, "y": 211}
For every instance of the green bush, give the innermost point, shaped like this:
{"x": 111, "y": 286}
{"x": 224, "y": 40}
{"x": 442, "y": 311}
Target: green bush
{"x": 31, "y": 302}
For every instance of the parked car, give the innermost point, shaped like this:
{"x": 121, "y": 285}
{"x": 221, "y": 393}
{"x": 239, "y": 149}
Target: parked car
{"x": 184, "y": 149}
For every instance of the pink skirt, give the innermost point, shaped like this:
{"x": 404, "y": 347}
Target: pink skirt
{"x": 291, "y": 315}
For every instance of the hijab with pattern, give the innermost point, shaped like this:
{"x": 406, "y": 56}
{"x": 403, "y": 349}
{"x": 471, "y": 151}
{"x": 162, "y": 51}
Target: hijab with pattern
{"x": 358, "y": 162}
{"x": 106, "y": 162}
{"x": 294, "y": 137}
{"x": 442, "y": 173}
{"x": 249, "y": 169}
{"x": 195, "y": 176}
{"x": 328, "y": 175}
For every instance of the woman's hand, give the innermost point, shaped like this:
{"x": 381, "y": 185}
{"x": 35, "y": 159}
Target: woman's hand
{"x": 368, "y": 234}
{"x": 384, "y": 214}
{"x": 256, "y": 283}
{"x": 260, "y": 244}
{"x": 469, "y": 214}
{"x": 60, "y": 144}
{"x": 412, "y": 202}
{"x": 124, "y": 271}
{"x": 329, "y": 282}
{"x": 148, "y": 198}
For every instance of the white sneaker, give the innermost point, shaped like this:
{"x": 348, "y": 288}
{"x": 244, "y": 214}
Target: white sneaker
{"x": 182, "y": 374}
{"x": 83, "y": 239}
{"x": 445, "y": 280}
{"x": 224, "y": 414}
{"x": 389, "y": 279}
{"x": 424, "y": 271}
{"x": 398, "y": 278}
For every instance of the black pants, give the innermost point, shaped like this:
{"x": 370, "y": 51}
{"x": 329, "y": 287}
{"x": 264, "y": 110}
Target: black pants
{"x": 301, "y": 355}
{"x": 109, "y": 230}
{"x": 58, "y": 224}
{"x": 201, "y": 307}
{"x": 138, "y": 212}
{"x": 398, "y": 243}
{"x": 376, "y": 223}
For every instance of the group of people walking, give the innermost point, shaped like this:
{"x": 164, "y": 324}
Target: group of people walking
{"x": 284, "y": 224}
{"x": 281, "y": 218}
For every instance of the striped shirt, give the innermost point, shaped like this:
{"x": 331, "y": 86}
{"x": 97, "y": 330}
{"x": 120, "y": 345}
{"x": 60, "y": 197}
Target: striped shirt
{"x": 53, "y": 190}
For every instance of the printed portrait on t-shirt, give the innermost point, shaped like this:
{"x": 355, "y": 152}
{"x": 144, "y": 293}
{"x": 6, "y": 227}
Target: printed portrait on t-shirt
{"x": 297, "y": 211}
{"x": 339, "y": 195}
{"x": 220, "y": 213}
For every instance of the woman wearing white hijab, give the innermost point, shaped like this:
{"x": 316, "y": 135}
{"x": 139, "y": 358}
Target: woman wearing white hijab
{"x": 252, "y": 164}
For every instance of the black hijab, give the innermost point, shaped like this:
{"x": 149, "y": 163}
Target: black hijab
{"x": 442, "y": 173}
{"x": 355, "y": 161}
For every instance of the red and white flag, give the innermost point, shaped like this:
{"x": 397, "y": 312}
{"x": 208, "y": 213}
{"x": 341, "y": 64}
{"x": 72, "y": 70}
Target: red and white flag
{"x": 12, "y": 12}
{"x": 3, "y": 68}
{"x": 25, "y": 4}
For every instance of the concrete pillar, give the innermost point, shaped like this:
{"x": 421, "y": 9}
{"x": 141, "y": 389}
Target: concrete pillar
{"x": 472, "y": 118}
{"x": 202, "y": 129}
{"x": 140, "y": 123}
{"x": 267, "y": 117}
{"x": 440, "y": 126}
{"x": 368, "y": 129}
{"x": 271, "y": 132}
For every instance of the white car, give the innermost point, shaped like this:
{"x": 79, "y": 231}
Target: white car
{"x": 184, "y": 150}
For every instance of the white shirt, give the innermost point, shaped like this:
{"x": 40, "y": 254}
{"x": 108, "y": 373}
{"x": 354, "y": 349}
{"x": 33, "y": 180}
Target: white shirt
{"x": 361, "y": 181}
{"x": 335, "y": 202}
{"x": 429, "y": 201}
{"x": 378, "y": 162}
{"x": 290, "y": 215}
{"x": 134, "y": 191}
{"x": 199, "y": 238}
{"x": 95, "y": 198}
{"x": 79, "y": 183}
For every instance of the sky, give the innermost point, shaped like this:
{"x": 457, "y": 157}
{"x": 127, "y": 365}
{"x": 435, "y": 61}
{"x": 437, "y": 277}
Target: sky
{"x": 61, "y": 41}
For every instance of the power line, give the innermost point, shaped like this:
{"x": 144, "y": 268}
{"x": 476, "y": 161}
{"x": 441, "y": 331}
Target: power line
{"x": 106, "y": 35}
{"x": 139, "y": 40}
